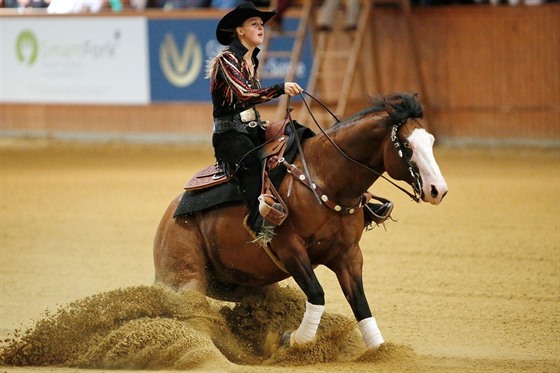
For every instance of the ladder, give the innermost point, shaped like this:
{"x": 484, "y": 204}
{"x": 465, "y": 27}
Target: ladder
{"x": 348, "y": 60}
{"x": 336, "y": 57}
{"x": 294, "y": 54}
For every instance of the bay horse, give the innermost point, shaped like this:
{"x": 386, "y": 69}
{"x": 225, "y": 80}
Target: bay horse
{"x": 211, "y": 252}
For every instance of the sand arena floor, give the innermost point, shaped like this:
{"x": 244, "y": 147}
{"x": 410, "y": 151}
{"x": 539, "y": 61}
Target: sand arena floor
{"x": 472, "y": 285}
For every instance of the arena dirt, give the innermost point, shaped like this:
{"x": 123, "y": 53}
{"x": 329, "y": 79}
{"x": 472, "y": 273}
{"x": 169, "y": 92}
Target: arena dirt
{"x": 472, "y": 285}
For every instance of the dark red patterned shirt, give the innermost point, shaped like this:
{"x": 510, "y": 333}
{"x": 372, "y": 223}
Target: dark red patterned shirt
{"x": 232, "y": 87}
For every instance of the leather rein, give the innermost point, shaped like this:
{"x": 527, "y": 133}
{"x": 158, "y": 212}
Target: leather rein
{"x": 306, "y": 177}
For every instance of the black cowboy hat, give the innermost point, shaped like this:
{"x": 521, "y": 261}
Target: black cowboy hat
{"x": 236, "y": 17}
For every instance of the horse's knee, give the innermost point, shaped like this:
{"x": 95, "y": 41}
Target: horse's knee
{"x": 303, "y": 274}
{"x": 316, "y": 294}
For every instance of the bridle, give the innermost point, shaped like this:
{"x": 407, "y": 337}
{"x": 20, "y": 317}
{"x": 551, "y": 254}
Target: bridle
{"x": 403, "y": 150}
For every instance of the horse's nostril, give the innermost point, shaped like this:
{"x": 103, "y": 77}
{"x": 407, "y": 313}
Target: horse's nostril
{"x": 444, "y": 194}
{"x": 434, "y": 192}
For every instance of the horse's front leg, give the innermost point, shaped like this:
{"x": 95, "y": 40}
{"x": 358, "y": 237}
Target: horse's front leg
{"x": 301, "y": 270}
{"x": 348, "y": 270}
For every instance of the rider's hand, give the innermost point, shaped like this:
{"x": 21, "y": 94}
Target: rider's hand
{"x": 292, "y": 89}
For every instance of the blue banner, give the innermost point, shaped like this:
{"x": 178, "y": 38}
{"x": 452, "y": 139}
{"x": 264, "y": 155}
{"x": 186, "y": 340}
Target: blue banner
{"x": 179, "y": 50}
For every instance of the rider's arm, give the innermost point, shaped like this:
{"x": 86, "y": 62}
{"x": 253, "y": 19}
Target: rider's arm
{"x": 239, "y": 85}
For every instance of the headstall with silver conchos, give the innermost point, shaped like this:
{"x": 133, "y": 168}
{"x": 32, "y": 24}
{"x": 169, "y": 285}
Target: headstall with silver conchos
{"x": 402, "y": 149}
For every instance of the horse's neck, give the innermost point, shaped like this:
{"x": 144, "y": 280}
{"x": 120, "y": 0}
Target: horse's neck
{"x": 339, "y": 177}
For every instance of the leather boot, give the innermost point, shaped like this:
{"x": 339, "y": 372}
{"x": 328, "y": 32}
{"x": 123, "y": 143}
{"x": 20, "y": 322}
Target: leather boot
{"x": 267, "y": 228}
{"x": 250, "y": 186}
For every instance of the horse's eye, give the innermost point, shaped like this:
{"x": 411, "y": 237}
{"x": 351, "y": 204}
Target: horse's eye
{"x": 407, "y": 150}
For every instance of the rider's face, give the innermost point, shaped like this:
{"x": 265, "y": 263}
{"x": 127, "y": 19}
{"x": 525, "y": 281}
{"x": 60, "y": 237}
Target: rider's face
{"x": 251, "y": 33}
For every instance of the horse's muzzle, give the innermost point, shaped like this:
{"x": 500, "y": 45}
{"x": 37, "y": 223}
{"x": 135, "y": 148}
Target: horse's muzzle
{"x": 435, "y": 193}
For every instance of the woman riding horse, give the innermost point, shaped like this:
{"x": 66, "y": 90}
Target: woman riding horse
{"x": 200, "y": 250}
{"x": 238, "y": 130}
{"x": 236, "y": 89}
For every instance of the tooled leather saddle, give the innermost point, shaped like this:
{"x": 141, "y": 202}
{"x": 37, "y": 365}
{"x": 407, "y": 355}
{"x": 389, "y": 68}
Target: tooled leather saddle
{"x": 211, "y": 187}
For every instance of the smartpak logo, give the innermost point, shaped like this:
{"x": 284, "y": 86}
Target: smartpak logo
{"x": 27, "y": 48}
{"x": 180, "y": 68}
{"x": 65, "y": 52}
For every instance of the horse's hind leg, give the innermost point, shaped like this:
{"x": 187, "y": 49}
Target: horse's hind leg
{"x": 179, "y": 257}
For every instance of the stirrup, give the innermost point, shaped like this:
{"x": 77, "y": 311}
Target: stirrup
{"x": 377, "y": 213}
{"x": 271, "y": 210}
{"x": 267, "y": 231}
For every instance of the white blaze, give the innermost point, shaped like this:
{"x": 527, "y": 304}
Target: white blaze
{"x": 434, "y": 185}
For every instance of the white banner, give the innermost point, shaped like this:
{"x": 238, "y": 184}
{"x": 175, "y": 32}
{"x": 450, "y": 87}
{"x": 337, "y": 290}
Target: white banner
{"x": 74, "y": 60}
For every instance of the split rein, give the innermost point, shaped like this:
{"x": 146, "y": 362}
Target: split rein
{"x": 398, "y": 145}
{"x": 305, "y": 176}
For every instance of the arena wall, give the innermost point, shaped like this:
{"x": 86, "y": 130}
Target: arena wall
{"x": 491, "y": 75}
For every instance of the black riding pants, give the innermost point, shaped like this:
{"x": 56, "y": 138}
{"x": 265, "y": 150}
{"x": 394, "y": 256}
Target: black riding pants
{"x": 236, "y": 153}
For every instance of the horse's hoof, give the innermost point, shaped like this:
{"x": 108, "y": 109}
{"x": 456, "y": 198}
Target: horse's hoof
{"x": 285, "y": 339}
{"x": 273, "y": 342}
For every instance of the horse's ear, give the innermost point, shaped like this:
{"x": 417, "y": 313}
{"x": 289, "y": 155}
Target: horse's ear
{"x": 418, "y": 110}
{"x": 389, "y": 107}
{"x": 395, "y": 110}
{"x": 400, "y": 107}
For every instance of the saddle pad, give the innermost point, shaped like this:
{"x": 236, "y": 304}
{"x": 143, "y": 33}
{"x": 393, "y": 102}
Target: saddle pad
{"x": 208, "y": 177}
{"x": 199, "y": 200}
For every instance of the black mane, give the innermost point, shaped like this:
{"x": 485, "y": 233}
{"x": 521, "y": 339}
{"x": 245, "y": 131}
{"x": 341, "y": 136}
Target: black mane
{"x": 400, "y": 107}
